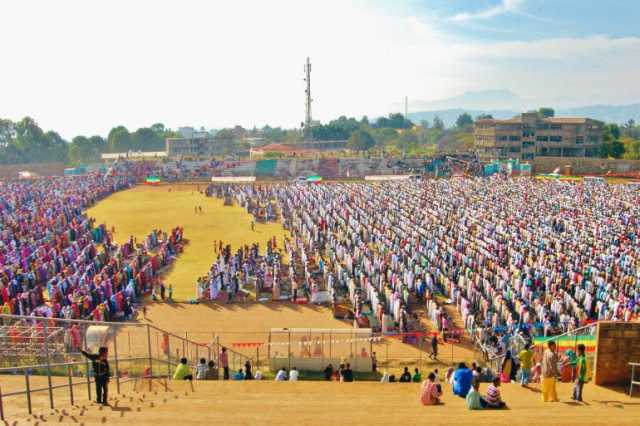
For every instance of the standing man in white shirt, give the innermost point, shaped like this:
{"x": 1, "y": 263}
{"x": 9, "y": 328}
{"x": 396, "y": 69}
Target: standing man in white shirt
{"x": 293, "y": 375}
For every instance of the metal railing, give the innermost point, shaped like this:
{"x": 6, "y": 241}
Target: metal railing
{"x": 565, "y": 341}
{"x": 50, "y": 347}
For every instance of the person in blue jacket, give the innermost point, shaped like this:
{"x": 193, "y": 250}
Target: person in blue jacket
{"x": 462, "y": 380}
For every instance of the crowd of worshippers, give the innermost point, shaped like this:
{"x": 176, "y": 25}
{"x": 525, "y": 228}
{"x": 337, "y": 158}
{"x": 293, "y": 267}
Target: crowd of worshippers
{"x": 48, "y": 243}
{"x": 513, "y": 255}
{"x": 232, "y": 271}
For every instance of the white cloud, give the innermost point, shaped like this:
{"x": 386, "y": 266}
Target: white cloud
{"x": 505, "y": 6}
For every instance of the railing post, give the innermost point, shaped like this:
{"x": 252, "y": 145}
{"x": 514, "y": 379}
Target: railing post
{"x": 289, "y": 352}
{"x": 26, "y": 379}
{"x": 168, "y": 355}
{"x": 70, "y": 384}
{"x": 88, "y": 379}
{"x": 115, "y": 350}
{"x": 1, "y": 406}
{"x": 46, "y": 350}
{"x": 149, "y": 349}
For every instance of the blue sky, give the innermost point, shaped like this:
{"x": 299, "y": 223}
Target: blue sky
{"x": 83, "y": 66}
{"x": 528, "y": 19}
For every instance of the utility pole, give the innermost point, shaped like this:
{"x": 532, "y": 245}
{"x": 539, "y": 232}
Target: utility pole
{"x": 307, "y": 92}
{"x": 406, "y": 110}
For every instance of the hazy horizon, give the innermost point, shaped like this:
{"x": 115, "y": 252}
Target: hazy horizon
{"x": 81, "y": 67}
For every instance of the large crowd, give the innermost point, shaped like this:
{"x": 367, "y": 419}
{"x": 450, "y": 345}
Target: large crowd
{"x": 49, "y": 244}
{"x": 516, "y": 255}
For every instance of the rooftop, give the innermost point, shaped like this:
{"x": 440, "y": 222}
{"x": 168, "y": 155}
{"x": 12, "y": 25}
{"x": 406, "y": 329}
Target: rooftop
{"x": 551, "y": 120}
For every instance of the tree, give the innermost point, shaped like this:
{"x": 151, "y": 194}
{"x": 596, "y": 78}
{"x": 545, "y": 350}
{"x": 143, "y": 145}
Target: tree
{"x": 611, "y": 132}
{"x": 7, "y": 132}
{"x": 407, "y": 141}
{"x": 616, "y": 149}
{"x": 464, "y": 120}
{"x": 631, "y": 148}
{"x": 81, "y": 150}
{"x": 146, "y": 139}
{"x": 484, "y": 117}
{"x": 360, "y": 141}
{"x": 226, "y": 138}
{"x": 424, "y": 124}
{"x": 395, "y": 121}
{"x": 119, "y": 139}
{"x": 438, "y": 123}
{"x": 384, "y": 136}
{"x": 57, "y": 149}
{"x": 545, "y": 112}
{"x": 99, "y": 143}
{"x": 611, "y": 146}
{"x": 158, "y": 128}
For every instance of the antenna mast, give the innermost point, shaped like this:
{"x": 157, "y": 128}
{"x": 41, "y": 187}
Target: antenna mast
{"x": 307, "y": 92}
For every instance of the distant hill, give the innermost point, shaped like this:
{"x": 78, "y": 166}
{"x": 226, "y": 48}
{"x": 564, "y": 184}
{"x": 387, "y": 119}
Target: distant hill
{"x": 609, "y": 113}
{"x": 480, "y": 100}
{"x": 505, "y": 104}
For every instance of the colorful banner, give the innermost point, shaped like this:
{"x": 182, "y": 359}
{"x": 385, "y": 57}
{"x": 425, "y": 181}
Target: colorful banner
{"x": 569, "y": 342}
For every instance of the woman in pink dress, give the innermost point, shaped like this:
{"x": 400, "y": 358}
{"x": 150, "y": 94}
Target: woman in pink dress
{"x": 429, "y": 391}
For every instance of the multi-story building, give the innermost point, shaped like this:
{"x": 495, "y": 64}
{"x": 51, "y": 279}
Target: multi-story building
{"x": 200, "y": 144}
{"x": 528, "y": 135}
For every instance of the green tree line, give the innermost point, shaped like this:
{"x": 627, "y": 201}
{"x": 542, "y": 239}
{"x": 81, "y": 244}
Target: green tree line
{"x": 24, "y": 141}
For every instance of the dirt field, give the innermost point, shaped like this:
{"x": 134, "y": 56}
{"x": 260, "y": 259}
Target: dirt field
{"x": 251, "y": 322}
{"x": 144, "y": 208}
{"x": 137, "y": 211}
{"x": 317, "y": 403}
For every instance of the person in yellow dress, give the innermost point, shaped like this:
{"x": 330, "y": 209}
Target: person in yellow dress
{"x": 525, "y": 356}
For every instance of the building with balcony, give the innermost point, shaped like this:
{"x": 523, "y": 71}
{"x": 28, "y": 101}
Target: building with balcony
{"x": 200, "y": 144}
{"x": 528, "y": 135}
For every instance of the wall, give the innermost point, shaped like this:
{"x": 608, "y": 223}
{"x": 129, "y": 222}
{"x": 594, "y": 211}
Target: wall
{"x": 10, "y": 171}
{"x": 584, "y": 165}
{"x": 618, "y": 343}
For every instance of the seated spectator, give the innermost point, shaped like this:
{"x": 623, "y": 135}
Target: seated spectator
{"x": 294, "y": 375}
{"x": 282, "y": 375}
{"x": 406, "y": 376}
{"x": 493, "y": 398}
{"x": 328, "y": 372}
{"x": 449, "y": 376}
{"x": 201, "y": 369}
{"x": 348, "y": 374}
{"x": 182, "y": 371}
{"x": 392, "y": 378}
{"x": 248, "y": 375}
{"x": 477, "y": 372}
{"x": 417, "y": 377}
{"x": 258, "y": 375}
{"x": 474, "y": 400}
{"x": 238, "y": 375}
{"x": 212, "y": 371}
{"x": 462, "y": 380}
{"x": 430, "y": 391}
